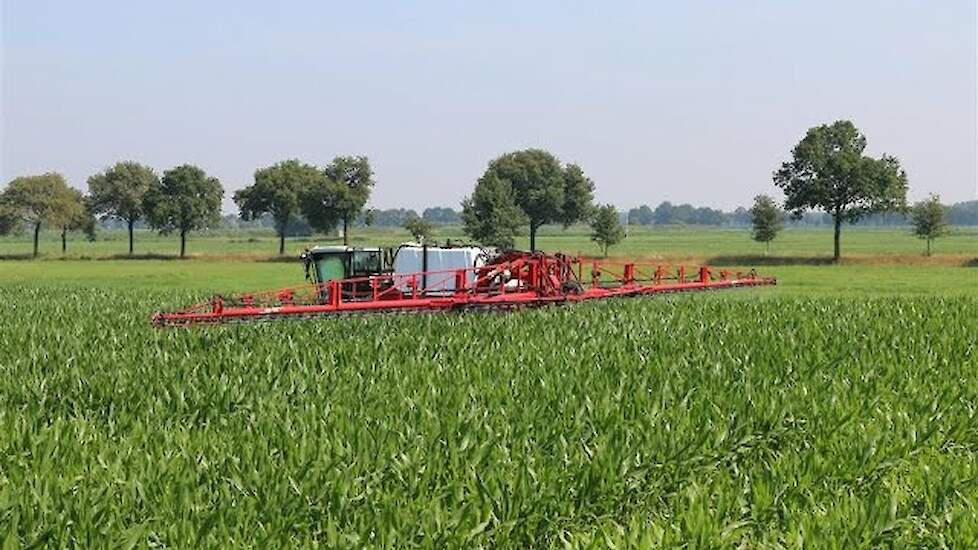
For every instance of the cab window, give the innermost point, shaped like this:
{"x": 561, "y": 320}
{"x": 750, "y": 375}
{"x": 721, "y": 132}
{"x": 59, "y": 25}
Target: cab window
{"x": 366, "y": 262}
{"x": 330, "y": 267}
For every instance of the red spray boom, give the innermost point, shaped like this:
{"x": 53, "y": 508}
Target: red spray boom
{"x": 512, "y": 280}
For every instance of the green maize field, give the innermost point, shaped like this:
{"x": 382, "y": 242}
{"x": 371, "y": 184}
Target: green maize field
{"x": 747, "y": 419}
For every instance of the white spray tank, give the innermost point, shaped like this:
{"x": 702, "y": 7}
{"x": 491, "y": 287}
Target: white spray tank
{"x": 439, "y": 262}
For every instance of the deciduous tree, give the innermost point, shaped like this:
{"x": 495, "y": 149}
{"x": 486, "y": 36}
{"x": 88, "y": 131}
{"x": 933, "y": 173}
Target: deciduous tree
{"x": 929, "y": 220}
{"x": 544, "y": 190}
{"x": 120, "y": 192}
{"x": 277, "y": 191}
{"x": 606, "y": 229}
{"x": 766, "y": 220}
{"x": 352, "y": 181}
{"x": 39, "y": 200}
{"x": 828, "y": 171}
{"x": 186, "y": 199}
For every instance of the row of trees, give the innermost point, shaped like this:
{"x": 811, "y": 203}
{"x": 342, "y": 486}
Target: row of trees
{"x": 519, "y": 191}
{"x": 45, "y": 199}
{"x": 928, "y": 218}
{"x": 187, "y": 199}
{"x": 828, "y": 171}
{"x": 183, "y": 200}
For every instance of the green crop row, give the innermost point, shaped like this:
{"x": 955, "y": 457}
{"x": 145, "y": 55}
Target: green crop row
{"x": 709, "y": 421}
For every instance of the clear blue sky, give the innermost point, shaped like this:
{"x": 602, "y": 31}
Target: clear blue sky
{"x": 684, "y": 101}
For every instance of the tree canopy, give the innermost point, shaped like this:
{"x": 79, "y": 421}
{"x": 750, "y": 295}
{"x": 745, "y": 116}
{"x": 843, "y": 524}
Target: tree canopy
{"x": 120, "y": 192}
{"x": 277, "y": 191}
{"x": 38, "y": 200}
{"x": 578, "y": 197}
{"x": 9, "y": 219}
{"x": 828, "y": 171}
{"x": 491, "y": 215}
{"x": 340, "y": 196}
{"x": 186, "y": 199}
{"x": 540, "y": 187}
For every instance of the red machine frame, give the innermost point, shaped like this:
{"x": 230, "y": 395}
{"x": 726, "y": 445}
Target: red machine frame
{"x": 513, "y": 280}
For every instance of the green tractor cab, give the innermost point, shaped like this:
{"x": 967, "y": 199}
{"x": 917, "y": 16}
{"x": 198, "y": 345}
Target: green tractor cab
{"x": 328, "y": 263}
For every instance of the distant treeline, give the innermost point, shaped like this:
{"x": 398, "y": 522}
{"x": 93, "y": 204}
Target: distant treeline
{"x": 962, "y": 213}
{"x": 397, "y": 217}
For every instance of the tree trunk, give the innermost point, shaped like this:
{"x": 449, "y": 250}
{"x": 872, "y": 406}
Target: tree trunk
{"x": 346, "y": 231}
{"x": 533, "y": 237}
{"x": 183, "y": 242}
{"x": 928, "y": 247}
{"x": 64, "y": 239}
{"x": 837, "y": 253}
{"x": 282, "y": 228}
{"x": 767, "y": 250}
{"x": 131, "y": 224}
{"x": 37, "y": 232}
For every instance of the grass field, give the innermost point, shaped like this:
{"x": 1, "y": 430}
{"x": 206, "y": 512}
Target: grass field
{"x": 835, "y": 410}
{"x": 878, "y": 261}
{"x": 675, "y": 242}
